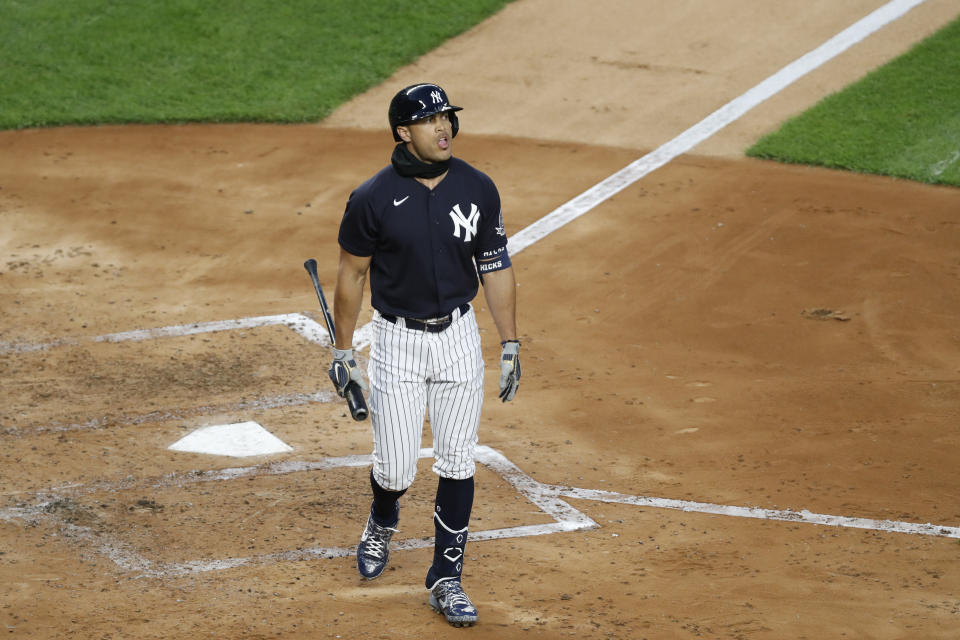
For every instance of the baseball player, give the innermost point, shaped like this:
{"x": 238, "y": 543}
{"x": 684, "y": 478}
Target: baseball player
{"x": 427, "y": 229}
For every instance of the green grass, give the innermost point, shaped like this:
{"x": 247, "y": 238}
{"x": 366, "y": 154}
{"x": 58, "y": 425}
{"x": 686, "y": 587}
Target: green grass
{"x": 902, "y": 119}
{"x": 118, "y": 61}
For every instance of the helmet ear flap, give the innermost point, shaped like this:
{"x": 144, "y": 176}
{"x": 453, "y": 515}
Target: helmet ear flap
{"x": 454, "y": 122}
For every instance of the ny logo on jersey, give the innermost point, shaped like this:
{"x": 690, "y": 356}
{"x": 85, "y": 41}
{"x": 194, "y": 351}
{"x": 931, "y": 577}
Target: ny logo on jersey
{"x": 437, "y": 97}
{"x": 467, "y": 223}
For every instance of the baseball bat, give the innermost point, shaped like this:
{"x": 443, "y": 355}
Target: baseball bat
{"x": 353, "y": 393}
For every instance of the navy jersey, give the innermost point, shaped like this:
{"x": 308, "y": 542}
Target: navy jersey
{"x": 426, "y": 245}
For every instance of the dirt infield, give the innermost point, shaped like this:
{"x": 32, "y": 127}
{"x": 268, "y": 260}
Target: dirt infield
{"x": 723, "y": 335}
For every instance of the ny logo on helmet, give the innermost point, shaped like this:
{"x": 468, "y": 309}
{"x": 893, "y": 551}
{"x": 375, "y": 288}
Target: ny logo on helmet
{"x": 467, "y": 223}
{"x": 437, "y": 97}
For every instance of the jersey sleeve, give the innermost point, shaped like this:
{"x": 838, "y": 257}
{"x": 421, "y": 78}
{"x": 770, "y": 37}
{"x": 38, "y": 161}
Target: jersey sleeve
{"x": 358, "y": 228}
{"x": 491, "y": 248}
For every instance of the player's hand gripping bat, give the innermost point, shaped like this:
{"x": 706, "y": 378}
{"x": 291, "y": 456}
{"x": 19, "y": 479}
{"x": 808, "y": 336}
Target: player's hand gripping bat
{"x": 352, "y": 392}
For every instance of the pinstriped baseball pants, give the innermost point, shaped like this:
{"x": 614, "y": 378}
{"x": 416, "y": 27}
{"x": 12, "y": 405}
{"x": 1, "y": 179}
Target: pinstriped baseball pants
{"x": 411, "y": 371}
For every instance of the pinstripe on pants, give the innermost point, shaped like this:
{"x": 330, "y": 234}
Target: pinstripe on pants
{"x": 411, "y": 371}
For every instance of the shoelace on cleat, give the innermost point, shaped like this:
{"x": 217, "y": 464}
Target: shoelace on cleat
{"x": 453, "y": 595}
{"x": 377, "y": 540}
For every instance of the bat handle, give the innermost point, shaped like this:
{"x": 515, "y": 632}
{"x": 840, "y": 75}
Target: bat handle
{"x": 358, "y": 406}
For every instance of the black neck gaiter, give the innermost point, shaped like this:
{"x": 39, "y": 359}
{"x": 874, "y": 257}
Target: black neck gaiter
{"x": 410, "y": 166}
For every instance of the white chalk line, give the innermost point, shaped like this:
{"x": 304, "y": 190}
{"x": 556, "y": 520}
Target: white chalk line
{"x": 174, "y": 331}
{"x": 938, "y": 168}
{"x": 307, "y": 327}
{"x": 804, "y": 516}
{"x": 303, "y": 325}
{"x": 128, "y": 559}
{"x": 710, "y": 125}
{"x": 546, "y": 497}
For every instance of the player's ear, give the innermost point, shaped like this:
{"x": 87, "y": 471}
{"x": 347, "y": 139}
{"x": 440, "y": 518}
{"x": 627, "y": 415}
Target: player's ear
{"x": 404, "y": 133}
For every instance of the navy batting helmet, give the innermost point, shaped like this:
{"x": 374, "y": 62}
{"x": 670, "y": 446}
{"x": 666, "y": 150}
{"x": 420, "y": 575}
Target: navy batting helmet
{"x": 420, "y": 101}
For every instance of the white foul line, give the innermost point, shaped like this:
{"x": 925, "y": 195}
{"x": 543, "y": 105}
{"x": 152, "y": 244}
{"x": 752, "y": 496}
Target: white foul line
{"x": 892, "y": 526}
{"x": 713, "y": 123}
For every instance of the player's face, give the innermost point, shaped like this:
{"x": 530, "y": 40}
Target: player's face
{"x": 431, "y": 139}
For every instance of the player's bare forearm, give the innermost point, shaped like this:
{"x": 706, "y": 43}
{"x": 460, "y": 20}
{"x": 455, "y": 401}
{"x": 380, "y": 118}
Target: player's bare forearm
{"x": 351, "y": 277}
{"x": 500, "y": 291}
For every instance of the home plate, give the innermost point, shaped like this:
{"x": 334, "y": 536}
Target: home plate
{"x": 239, "y": 440}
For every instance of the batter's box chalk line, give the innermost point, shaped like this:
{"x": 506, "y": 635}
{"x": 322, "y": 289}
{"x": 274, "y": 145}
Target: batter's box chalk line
{"x": 546, "y": 497}
{"x": 129, "y": 559}
{"x": 303, "y": 325}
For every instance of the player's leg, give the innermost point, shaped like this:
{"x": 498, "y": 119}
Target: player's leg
{"x": 397, "y": 373}
{"x": 398, "y": 369}
{"x": 373, "y": 552}
{"x": 451, "y": 521}
{"x": 455, "y": 396}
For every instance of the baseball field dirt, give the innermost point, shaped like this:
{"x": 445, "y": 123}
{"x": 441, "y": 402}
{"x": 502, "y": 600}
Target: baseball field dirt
{"x": 740, "y": 392}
